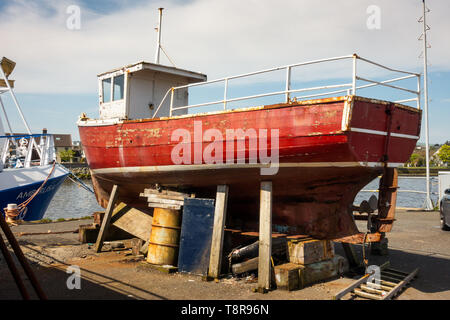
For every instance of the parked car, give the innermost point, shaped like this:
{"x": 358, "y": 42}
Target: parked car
{"x": 445, "y": 210}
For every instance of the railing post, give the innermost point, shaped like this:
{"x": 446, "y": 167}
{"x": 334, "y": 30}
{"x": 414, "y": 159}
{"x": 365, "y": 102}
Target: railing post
{"x": 288, "y": 83}
{"x": 171, "y": 103}
{"x": 418, "y": 91}
{"x": 225, "y": 95}
{"x": 5, "y": 151}
{"x": 354, "y": 75}
{"x": 29, "y": 153}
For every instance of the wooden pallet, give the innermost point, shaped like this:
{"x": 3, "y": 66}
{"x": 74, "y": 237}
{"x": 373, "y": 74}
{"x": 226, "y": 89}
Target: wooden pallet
{"x": 165, "y": 199}
{"x": 392, "y": 282}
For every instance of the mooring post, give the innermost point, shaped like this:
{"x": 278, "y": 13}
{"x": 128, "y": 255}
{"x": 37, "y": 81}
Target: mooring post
{"x": 106, "y": 218}
{"x": 265, "y": 236}
{"x": 220, "y": 214}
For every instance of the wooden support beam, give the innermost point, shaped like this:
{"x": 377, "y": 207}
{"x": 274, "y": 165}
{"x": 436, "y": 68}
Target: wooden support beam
{"x": 265, "y": 236}
{"x": 220, "y": 213}
{"x": 106, "y": 218}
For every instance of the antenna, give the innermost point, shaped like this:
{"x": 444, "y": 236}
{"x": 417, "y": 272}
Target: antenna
{"x": 158, "y": 44}
{"x": 428, "y": 205}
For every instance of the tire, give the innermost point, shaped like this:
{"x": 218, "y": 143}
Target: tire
{"x": 444, "y": 226}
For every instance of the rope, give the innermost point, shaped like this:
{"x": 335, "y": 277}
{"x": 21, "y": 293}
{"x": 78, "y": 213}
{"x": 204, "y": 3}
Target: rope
{"x": 13, "y": 214}
{"x": 79, "y": 182}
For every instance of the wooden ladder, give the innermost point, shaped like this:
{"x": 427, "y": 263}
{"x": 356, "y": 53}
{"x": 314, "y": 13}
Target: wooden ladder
{"x": 392, "y": 282}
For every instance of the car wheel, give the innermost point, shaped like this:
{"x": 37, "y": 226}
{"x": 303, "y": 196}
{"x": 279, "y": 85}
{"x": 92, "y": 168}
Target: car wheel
{"x": 444, "y": 226}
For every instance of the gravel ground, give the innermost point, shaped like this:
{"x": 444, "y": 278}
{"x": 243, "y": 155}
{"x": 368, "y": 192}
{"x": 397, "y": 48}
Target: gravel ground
{"x": 415, "y": 242}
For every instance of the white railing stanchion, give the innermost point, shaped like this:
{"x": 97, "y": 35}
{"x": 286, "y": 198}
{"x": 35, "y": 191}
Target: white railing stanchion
{"x": 171, "y": 101}
{"x": 288, "y": 83}
{"x": 225, "y": 95}
{"x": 418, "y": 91}
{"x": 355, "y": 57}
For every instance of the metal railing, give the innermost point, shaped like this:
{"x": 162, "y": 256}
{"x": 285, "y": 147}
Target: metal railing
{"x": 349, "y": 88}
{"x": 23, "y": 151}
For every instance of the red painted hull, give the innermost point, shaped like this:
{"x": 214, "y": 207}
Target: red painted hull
{"x": 328, "y": 150}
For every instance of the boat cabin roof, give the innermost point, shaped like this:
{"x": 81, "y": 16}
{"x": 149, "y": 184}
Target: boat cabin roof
{"x": 142, "y": 65}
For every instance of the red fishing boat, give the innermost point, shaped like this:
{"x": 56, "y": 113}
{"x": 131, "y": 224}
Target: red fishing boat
{"x": 318, "y": 153}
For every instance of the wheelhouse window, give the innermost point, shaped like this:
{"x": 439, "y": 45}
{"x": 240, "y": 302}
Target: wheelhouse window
{"x": 106, "y": 88}
{"x": 118, "y": 87}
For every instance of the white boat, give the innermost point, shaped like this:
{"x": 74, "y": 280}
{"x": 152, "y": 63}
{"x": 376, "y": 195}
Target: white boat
{"x": 29, "y": 174}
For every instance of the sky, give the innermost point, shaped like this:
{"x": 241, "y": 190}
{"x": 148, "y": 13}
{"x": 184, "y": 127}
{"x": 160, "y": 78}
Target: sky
{"x": 57, "y": 63}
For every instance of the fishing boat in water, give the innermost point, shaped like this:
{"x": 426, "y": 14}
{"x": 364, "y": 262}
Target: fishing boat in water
{"x": 318, "y": 147}
{"x": 29, "y": 175}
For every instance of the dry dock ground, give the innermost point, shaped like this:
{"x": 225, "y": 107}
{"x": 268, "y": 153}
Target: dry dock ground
{"x": 415, "y": 242}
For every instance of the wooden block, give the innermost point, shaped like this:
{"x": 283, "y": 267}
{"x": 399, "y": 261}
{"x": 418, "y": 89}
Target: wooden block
{"x": 164, "y": 206}
{"x": 287, "y": 276}
{"x": 148, "y": 192}
{"x": 133, "y": 221}
{"x": 310, "y": 251}
{"x": 323, "y": 270}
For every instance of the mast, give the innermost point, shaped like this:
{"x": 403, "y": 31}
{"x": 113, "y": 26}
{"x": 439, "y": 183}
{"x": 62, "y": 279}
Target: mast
{"x": 428, "y": 205}
{"x": 158, "y": 44}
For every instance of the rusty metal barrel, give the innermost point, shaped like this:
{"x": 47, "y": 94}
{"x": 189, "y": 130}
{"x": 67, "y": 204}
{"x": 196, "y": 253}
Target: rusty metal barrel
{"x": 165, "y": 237}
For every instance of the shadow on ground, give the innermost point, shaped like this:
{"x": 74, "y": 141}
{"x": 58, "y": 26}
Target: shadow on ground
{"x": 54, "y": 279}
{"x": 433, "y": 274}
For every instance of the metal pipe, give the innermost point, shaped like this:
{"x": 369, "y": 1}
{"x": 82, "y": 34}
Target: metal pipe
{"x": 267, "y": 94}
{"x": 6, "y": 116}
{"x": 386, "y": 81}
{"x": 20, "y": 256}
{"x": 12, "y": 267}
{"x": 354, "y": 75}
{"x": 15, "y": 100}
{"x": 225, "y": 95}
{"x": 418, "y": 94}
{"x": 161, "y": 103}
{"x": 428, "y": 204}
{"x": 288, "y": 83}
{"x": 387, "y": 68}
{"x": 264, "y": 71}
{"x": 171, "y": 103}
{"x": 386, "y": 85}
{"x": 158, "y": 44}
{"x": 405, "y": 100}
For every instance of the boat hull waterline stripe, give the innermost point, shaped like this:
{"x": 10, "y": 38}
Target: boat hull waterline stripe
{"x": 195, "y": 167}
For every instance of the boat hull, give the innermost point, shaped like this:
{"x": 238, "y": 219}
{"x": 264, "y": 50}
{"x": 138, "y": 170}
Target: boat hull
{"x": 328, "y": 150}
{"x": 18, "y": 185}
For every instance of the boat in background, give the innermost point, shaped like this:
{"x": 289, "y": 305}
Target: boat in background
{"x": 29, "y": 175}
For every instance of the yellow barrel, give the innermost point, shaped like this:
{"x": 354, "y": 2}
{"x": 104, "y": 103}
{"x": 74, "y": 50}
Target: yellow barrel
{"x": 165, "y": 237}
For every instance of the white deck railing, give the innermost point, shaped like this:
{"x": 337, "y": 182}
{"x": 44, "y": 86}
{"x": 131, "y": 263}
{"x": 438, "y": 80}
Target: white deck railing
{"x": 17, "y": 151}
{"x": 348, "y": 88}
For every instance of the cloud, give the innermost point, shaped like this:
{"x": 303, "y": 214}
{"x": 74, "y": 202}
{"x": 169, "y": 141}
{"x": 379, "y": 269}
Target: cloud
{"x": 218, "y": 38}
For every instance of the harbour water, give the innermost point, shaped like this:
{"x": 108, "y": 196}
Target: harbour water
{"x": 72, "y": 201}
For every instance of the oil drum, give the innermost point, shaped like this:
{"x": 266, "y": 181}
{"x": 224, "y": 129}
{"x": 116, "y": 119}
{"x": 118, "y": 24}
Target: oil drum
{"x": 165, "y": 237}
